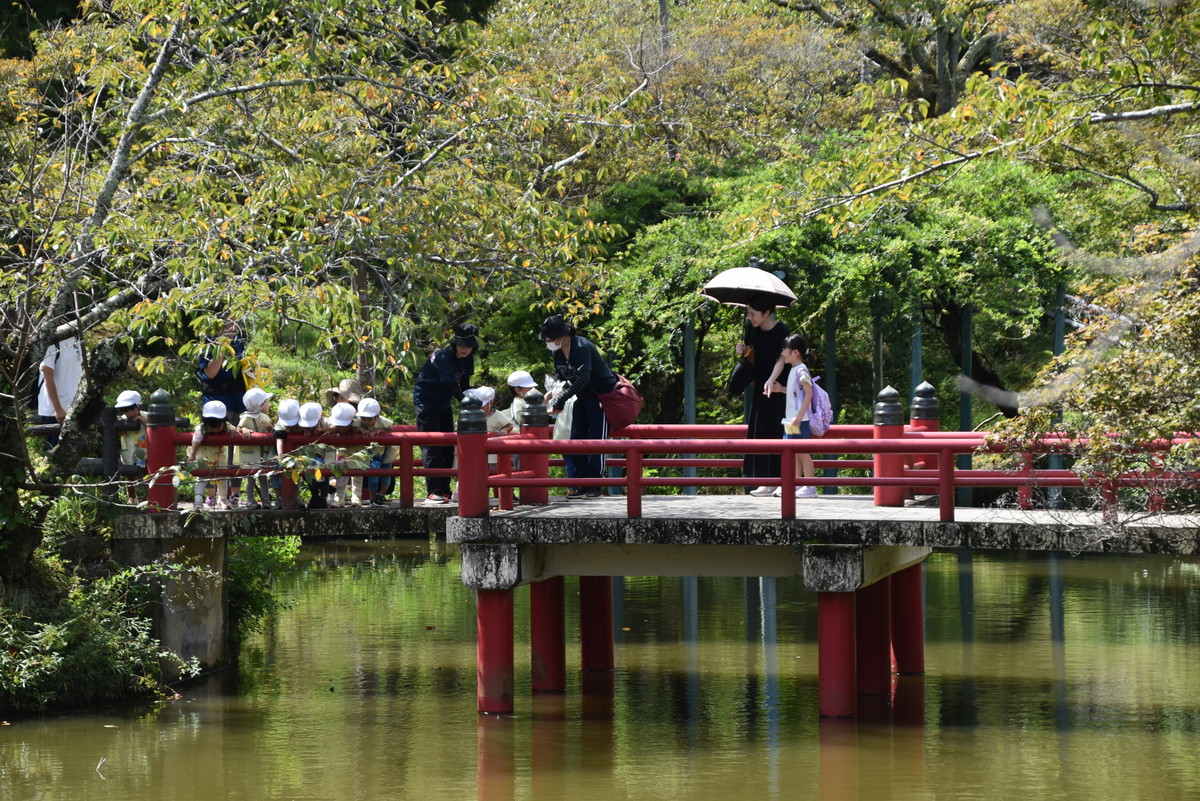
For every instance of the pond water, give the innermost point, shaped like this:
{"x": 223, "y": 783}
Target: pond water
{"x": 1047, "y": 677}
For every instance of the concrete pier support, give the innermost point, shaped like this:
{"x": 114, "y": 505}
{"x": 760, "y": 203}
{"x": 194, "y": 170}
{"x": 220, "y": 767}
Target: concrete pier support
{"x": 547, "y": 634}
{"x": 192, "y": 620}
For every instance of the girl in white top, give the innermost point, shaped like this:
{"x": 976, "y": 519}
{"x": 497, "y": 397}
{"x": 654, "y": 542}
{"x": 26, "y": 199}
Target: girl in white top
{"x": 799, "y": 402}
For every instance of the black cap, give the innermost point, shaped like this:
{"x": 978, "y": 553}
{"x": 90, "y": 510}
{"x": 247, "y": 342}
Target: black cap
{"x": 464, "y": 335}
{"x": 554, "y": 327}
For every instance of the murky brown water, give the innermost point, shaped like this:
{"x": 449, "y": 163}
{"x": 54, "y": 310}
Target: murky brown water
{"x": 1056, "y": 678}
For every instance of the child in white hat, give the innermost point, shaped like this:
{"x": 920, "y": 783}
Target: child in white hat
{"x": 368, "y": 420}
{"x": 212, "y": 421}
{"x": 341, "y": 421}
{"x": 256, "y": 420}
{"x": 520, "y": 382}
{"x": 133, "y": 441}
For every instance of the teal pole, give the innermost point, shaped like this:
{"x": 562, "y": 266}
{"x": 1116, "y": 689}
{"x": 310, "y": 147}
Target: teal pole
{"x": 689, "y": 387}
{"x": 965, "y": 419}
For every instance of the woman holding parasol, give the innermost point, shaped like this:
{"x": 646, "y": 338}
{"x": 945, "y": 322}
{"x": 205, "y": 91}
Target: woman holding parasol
{"x": 760, "y": 292}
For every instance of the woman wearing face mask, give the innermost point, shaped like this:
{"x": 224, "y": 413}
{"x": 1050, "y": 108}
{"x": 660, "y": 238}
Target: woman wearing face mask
{"x": 580, "y": 365}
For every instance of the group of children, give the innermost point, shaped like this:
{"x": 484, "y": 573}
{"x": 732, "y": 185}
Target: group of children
{"x": 350, "y": 413}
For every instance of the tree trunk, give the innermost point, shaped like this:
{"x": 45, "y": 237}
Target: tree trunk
{"x": 947, "y": 321}
{"x": 20, "y": 534}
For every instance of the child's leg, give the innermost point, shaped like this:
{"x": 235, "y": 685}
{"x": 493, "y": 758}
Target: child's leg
{"x": 356, "y": 483}
{"x": 222, "y": 494}
{"x": 201, "y": 491}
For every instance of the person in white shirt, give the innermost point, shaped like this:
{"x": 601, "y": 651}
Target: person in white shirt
{"x": 799, "y": 403}
{"x": 61, "y": 372}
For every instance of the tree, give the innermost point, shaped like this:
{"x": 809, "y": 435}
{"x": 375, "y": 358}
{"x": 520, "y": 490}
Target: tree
{"x": 362, "y": 168}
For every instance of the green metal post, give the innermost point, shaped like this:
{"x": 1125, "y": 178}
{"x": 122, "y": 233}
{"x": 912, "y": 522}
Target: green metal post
{"x": 965, "y": 418}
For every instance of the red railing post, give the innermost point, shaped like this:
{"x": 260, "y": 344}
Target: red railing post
{"x": 1025, "y": 491}
{"x": 472, "y": 459}
{"x": 633, "y": 483}
{"x": 925, "y": 416}
{"x": 405, "y": 463}
{"x": 787, "y": 481}
{"x": 836, "y": 665}
{"x": 160, "y": 451}
{"x": 889, "y": 424}
{"x": 535, "y": 424}
{"x": 946, "y": 486}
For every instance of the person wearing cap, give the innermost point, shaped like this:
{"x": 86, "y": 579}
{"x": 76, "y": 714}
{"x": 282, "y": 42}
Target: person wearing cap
{"x": 368, "y": 420}
{"x": 287, "y": 422}
{"x": 348, "y": 390}
{"x": 520, "y": 382}
{"x": 308, "y": 420}
{"x": 443, "y": 378}
{"x": 578, "y": 362}
{"x": 133, "y": 441}
{"x": 256, "y": 419}
{"x": 212, "y": 421}
{"x": 498, "y": 422}
{"x": 341, "y": 421}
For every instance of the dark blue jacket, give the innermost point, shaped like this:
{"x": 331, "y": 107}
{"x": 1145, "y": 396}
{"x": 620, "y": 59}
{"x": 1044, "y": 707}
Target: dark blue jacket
{"x": 442, "y": 378}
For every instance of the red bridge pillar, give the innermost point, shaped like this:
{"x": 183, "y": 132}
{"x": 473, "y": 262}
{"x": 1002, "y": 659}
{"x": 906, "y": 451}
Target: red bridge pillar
{"x": 908, "y": 621}
{"x": 596, "y": 622}
{"x": 547, "y": 635}
{"x": 836, "y": 672}
{"x": 494, "y": 651}
{"x": 873, "y": 637}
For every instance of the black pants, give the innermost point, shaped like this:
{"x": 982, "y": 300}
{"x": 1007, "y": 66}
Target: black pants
{"x": 436, "y": 456}
{"x": 764, "y": 423}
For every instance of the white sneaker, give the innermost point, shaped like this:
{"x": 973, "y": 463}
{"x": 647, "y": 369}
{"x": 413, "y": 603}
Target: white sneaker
{"x": 806, "y": 492}
{"x": 222, "y": 505}
{"x": 355, "y": 500}
{"x": 778, "y": 493}
{"x": 763, "y": 492}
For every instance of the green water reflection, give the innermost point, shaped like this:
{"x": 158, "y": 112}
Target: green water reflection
{"x": 1054, "y": 678}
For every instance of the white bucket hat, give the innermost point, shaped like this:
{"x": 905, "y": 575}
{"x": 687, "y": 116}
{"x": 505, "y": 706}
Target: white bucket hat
{"x": 310, "y": 414}
{"x": 485, "y": 394}
{"x": 289, "y": 412}
{"x": 255, "y": 397}
{"x": 368, "y": 407}
{"x": 214, "y": 410}
{"x": 129, "y": 397}
{"x": 520, "y": 378}
{"x": 342, "y": 414}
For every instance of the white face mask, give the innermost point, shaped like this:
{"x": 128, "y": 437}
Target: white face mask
{"x": 553, "y": 347}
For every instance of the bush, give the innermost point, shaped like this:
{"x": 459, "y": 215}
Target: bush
{"x": 75, "y": 641}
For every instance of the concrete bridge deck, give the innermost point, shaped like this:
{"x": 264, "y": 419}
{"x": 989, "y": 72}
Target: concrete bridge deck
{"x": 707, "y": 520}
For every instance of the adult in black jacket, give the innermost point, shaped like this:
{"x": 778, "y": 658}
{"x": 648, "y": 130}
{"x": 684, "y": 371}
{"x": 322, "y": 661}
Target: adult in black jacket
{"x": 579, "y": 363}
{"x": 444, "y": 377}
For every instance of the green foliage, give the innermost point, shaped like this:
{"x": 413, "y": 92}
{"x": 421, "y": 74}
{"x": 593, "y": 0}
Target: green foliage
{"x": 253, "y": 564}
{"x": 74, "y": 641}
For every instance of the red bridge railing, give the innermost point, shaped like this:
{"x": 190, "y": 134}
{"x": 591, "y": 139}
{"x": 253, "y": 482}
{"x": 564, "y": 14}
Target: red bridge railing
{"x": 902, "y": 458}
